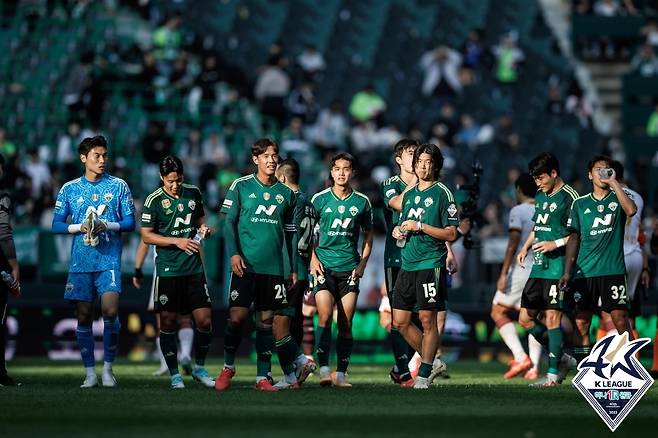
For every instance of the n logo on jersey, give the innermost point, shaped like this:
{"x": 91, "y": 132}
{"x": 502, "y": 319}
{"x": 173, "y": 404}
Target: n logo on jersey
{"x": 416, "y": 213}
{"x": 341, "y": 223}
{"x": 542, "y": 218}
{"x": 180, "y": 221}
{"x": 267, "y": 210}
{"x": 607, "y": 220}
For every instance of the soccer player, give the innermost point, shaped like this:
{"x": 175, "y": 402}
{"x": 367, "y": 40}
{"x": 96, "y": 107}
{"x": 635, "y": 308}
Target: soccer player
{"x": 393, "y": 190}
{"x": 513, "y": 278}
{"x": 595, "y": 252}
{"x": 173, "y": 220}
{"x": 260, "y": 216}
{"x": 101, "y": 208}
{"x": 336, "y": 264}
{"x": 185, "y": 324}
{"x": 547, "y": 240}
{"x": 8, "y": 264}
{"x": 428, "y": 220}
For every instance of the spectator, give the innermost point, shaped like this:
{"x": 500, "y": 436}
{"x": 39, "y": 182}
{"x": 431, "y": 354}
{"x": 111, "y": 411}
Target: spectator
{"x": 645, "y": 62}
{"x": 493, "y": 226}
{"x": 583, "y": 7}
{"x": 209, "y": 78}
{"x": 215, "y": 151}
{"x": 363, "y": 137}
{"x": 508, "y": 58}
{"x": 473, "y": 51}
{"x": 301, "y": 102}
{"x": 441, "y": 69}
{"x": 167, "y": 39}
{"x": 192, "y": 155}
{"x": 555, "y": 105}
{"x": 38, "y": 172}
{"x": 78, "y": 82}
{"x": 67, "y": 146}
{"x": 652, "y": 123}
{"x": 272, "y": 87}
{"x": 292, "y": 140}
{"x": 607, "y": 8}
{"x": 366, "y": 105}
{"x": 156, "y": 144}
{"x": 650, "y": 32}
{"x": 508, "y": 195}
{"x": 311, "y": 62}
{"x": 331, "y": 128}
{"x": 7, "y": 148}
{"x": 468, "y": 132}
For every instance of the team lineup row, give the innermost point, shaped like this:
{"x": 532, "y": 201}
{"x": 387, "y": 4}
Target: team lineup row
{"x": 275, "y": 236}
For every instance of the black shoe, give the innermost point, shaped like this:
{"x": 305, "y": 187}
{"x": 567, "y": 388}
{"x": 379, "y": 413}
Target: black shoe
{"x": 8, "y": 381}
{"x": 395, "y": 376}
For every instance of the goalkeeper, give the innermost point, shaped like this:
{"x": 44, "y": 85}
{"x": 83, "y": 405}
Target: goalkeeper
{"x": 100, "y": 207}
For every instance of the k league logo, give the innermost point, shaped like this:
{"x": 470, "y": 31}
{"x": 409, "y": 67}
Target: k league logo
{"x": 611, "y": 378}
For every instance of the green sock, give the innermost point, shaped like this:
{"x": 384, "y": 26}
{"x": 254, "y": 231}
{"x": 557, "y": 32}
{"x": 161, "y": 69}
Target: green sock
{"x": 232, "y": 339}
{"x": 324, "y": 345}
{"x": 554, "y": 350}
{"x": 264, "y": 347}
{"x": 169, "y": 350}
{"x": 343, "y": 353}
{"x": 538, "y": 331}
{"x": 425, "y": 369}
{"x": 201, "y": 346}
{"x": 580, "y": 353}
{"x": 400, "y": 351}
{"x": 287, "y": 349}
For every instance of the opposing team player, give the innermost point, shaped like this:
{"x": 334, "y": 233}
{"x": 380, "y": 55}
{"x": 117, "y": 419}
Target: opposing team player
{"x": 513, "y": 278}
{"x": 173, "y": 220}
{"x": 547, "y": 240}
{"x": 393, "y": 190}
{"x": 428, "y": 220}
{"x": 260, "y": 214}
{"x": 595, "y": 251}
{"x": 101, "y": 208}
{"x": 336, "y": 264}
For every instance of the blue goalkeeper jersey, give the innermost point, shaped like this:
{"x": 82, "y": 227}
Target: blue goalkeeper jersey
{"x": 111, "y": 199}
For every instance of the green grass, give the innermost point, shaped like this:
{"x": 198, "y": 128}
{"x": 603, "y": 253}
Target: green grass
{"x": 476, "y": 401}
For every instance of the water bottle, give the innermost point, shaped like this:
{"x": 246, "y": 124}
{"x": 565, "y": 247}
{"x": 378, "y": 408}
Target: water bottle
{"x": 198, "y": 237}
{"x": 401, "y": 242}
{"x": 538, "y": 258}
{"x": 8, "y": 279}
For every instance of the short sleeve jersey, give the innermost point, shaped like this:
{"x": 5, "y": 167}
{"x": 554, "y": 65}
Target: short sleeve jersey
{"x": 112, "y": 201}
{"x": 174, "y": 217}
{"x": 600, "y": 225}
{"x": 263, "y": 214}
{"x": 550, "y": 219}
{"x": 633, "y": 225}
{"x": 520, "y": 219}
{"x": 435, "y": 206}
{"x": 341, "y": 221}
{"x": 391, "y": 188}
{"x": 305, "y": 220}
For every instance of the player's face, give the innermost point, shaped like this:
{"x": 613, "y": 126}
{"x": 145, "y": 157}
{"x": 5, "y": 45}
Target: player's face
{"x": 406, "y": 160}
{"x": 341, "y": 172}
{"x": 546, "y": 182}
{"x": 95, "y": 160}
{"x": 172, "y": 183}
{"x": 267, "y": 161}
{"x": 594, "y": 174}
{"x": 424, "y": 167}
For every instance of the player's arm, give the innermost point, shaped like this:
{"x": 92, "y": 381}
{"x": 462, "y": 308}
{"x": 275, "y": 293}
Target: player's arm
{"x": 627, "y": 204}
{"x": 150, "y": 237}
{"x": 572, "y": 246}
{"x": 447, "y": 234}
{"x": 395, "y": 202}
{"x": 61, "y": 214}
{"x": 523, "y": 252}
{"x": 366, "y": 250}
{"x": 230, "y": 209}
{"x": 140, "y": 256}
{"x": 451, "y": 260}
{"x": 512, "y": 243}
{"x": 291, "y": 239}
{"x": 127, "y": 220}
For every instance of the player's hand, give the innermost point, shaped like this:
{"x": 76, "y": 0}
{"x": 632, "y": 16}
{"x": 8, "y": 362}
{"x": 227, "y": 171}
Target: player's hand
{"x": 611, "y": 179}
{"x": 316, "y": 268}
{"x": 397, "y": 233}
{"x": 545, "y": 246}
{"x": 645, "y": 278}
{"x": 207, "y": 231}
{"x": 385, "y": 319}
{"x": 451, "y": 263}
{"x": 520, "y": 257}
{"x": 564, "y": 281}
{"x": 359, "y": 270}
{"x": 238, "y": 266}
{"x": 292, "y": 280}
{"x": 137, "y": 282}
{"x": 465, "y": 226}
{"x": 187, "y": 245}
{"x": 409, "y": 225}
{"x": 500, "y": 283}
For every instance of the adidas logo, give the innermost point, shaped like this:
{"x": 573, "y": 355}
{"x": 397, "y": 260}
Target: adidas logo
{"x": 328, "y": 210}
{"x": 551, "y": 355}
{"x": 252, "y": 196}
{"x": 431, "y": 300}
{"x": 587, "y": 211}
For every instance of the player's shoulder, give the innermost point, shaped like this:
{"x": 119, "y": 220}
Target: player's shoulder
{"x": 391, "y": 181}
{"x": 445, "y": 191}
{"x": 321, "y": 195}
{"x": 71, "y": 185}
{"x": 192, "y": 189}
{"x": 581, "y": 200}
{"x": 569, "y": 192}
{"x": 238, "y": 182}
{"x": 153, "y": 197}
{"x": 363, "y": 197}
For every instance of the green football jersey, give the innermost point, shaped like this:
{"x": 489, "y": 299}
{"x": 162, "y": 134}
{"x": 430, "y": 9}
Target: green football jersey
{"x": 435, "y": 206}
{"x": 262, "y": 214}
{"x": 391, "y": 188}
{"x": 341, "y": 222}
{"x": 174, "y": 217}
{"x": 600, "y": 225}
{"x": 305, "y": 220}
{"x": 550, "y": 219}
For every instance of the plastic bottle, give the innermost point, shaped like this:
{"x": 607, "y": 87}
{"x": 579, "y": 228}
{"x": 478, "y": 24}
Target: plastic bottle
{"x": 401, "y": 242}
{"x": 537, "y": 257}
{"x": 8, "y": 279}
{"x": 198, "y": 237}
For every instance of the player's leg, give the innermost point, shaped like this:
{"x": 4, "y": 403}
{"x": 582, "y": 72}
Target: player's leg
{"x": 151, "y": 308}
{"x": 614, "y": 299}
{"x": 168, "y": 328}
{"x": 324, "y": 301}
{"x": 195, "y": 300}
{"x": 507, "y": 330}
{"x": 430, "y": 343}
{"x": 399, "y": 346}
{"x": 309, "y": 310}
{"x": 5, "y": 380}
{"x": 264, "y": 348}
{"x": 80, "y": 291}
{"x": 185, "y": 342}
{"x": 111, "y": 330}
{"x": 345, "y": 308}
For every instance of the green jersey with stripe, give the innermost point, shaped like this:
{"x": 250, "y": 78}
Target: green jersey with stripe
{"x": 341, "y": 221}
{"x": 258, "y": 216}
{"x": 435, "y": 206}
{"x": 174, "y": 217}
{"x": 391, "y": 188}
{"x": 550, "y": 219}
{"x": 305, "y": 220}
{"x": 600, "y": 225}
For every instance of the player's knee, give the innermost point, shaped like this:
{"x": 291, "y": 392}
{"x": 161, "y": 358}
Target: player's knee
{"x": 264, "y": 324}
{"x": 110, "y": 313}
{"x": 324, "y": 320}
{"x": 428, "y": 323}
{"x": 204, "y": 324}
{"x": 496, "y": 312}
{"x": 168, "y": 323}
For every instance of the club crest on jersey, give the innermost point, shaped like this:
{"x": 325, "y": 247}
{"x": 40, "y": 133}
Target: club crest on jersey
{"x": 553, "y": 207}
{"x": 191, "y": 204}
{"x": 611, "y": 378}
{"x": 234, "y": 295}
{"x": 613, "y": 206}
{"x": 95, "y": 197}
{"x": 452, "y": 210}
{"x": 266, "y": 196}
{"x": 166, "y": 203}
{"x": 416, "y": 199}
{"x": 108, "y": 197}
{"x": 428, "y": 202}
{"x": 354, "y": 210}
{"x": 180, "y": 207}
{"x": 341, "y": 209}
{"x": 163, "y": 299}
{"x": 279, "y": 198}
{"x": 600, "y": 208}
{"x": 69, "y": 287}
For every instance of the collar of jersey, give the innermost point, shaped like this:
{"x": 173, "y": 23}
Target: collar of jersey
{"x": 264, "y": 185}
{"x": 93, "y": 183}
{"x": 557, "y": 191}
{"x": 591, "y": 195}
{"x": 426, "y": 188}
{"x": 331, "y": 190}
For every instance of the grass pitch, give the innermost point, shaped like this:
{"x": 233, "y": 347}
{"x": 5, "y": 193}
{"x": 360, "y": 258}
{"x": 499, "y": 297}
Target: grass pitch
{"x": 475, "y": 401}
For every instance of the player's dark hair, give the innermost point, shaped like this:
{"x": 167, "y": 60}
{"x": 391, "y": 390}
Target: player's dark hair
{"x": 89, "y": 143}
{"x": 290, "y": 168}
{"x": 260, "y": 146}
{"x": 403, "y": 145}
{"x": 526, "y": 184}
{"x": 169, "y": 164}
{"x": 543, "y": 163}
{"x": 619, "y": 170}
{"x": 596, "y": 158}
{"x": 437, "y": 158}
{"x": 340, "y": 156}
